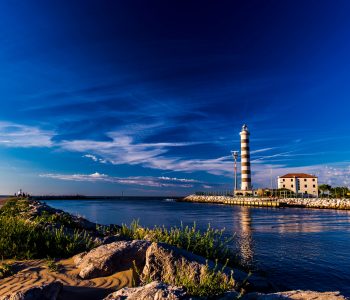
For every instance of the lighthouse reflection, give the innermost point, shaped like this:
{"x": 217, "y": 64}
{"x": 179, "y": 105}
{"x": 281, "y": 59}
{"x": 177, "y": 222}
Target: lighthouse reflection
{"x": 244, "y": 241}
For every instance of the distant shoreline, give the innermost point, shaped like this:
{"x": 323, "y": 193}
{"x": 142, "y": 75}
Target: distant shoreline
{"x": 81, "y": 197}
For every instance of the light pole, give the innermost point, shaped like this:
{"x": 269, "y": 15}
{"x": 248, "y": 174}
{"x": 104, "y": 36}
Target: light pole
{"x": 235, "y": 157}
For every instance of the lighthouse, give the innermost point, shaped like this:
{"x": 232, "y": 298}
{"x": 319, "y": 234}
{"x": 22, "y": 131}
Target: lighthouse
{"x": 246, "y": 181}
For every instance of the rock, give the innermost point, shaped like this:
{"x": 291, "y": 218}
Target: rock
{"x": 78, "y": 258}
{"x": 295, "y": 295}
{"x": 111, "y": 258}
{"x": 44, "y": 292}
{"x": 162, "y": 261}
{"x": 230, "y": 295}
{"x": 153, "y": 291}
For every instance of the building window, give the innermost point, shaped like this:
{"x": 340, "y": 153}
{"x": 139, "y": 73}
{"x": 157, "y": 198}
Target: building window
{"x": 283, "y": 179}
{"x": 314, "y": 185}
{"x": 305, "y": 179}
{"x": 292, "y": 185}
{"x": 291, "y": 179}
{"x": 313, "y": 179}
{"x": 284, "y": 185}
{"x": 305, "y": 185}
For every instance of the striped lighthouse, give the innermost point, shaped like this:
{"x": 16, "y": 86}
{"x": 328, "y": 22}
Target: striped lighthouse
{"x": 246, "y": 181}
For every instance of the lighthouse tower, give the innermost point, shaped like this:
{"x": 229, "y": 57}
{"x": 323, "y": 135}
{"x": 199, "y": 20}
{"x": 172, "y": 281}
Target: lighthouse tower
{"x": 246, "y": 181}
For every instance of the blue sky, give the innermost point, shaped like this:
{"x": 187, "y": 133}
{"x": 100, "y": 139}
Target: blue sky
{"x": 148, "y": 97}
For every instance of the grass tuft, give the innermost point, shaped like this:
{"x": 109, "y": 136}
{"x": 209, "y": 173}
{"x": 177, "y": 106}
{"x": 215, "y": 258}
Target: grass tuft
{"x": 6, "y": 270}
{"x": 210, "y": 244}
{"x": 212, "y": 282}
{"x": 22, "y": 239}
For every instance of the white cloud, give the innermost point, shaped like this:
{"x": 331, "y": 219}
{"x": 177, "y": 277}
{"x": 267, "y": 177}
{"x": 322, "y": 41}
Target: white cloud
{"x": 96, "y": 159}
{"x": 177, "y": 179}
{"x": 133, "y": 180}
{"x": 93, "y": 157}
{"x": 16, "y": 135}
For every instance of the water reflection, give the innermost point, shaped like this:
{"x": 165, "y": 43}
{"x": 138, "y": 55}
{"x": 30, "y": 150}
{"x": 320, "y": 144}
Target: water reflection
{"x": 302, "y": 221}
{"x": 244, "y": 236}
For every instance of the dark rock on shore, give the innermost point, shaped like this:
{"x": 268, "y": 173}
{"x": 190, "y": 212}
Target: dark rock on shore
{"x": 295, "y": 295}
{"x": 44, "y": 292}
{"x": 154, "y": 290}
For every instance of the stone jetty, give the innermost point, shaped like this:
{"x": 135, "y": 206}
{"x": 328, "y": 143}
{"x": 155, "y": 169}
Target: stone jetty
{"x": 324, "y": 203}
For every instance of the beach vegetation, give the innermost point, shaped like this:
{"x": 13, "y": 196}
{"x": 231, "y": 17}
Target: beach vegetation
{"x": 212, "y": 282}
{"x": 23, "y": 239}
{"x": 53, "y": 266}
{"x": 211, "y": 244}
{"x": 6, "y": 270}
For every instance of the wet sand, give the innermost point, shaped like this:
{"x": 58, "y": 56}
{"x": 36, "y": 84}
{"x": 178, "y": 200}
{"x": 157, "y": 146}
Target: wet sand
{"x": 35, "y": 272}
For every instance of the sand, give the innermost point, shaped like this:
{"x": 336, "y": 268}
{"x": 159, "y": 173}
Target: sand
{"x": 35, "y": 272}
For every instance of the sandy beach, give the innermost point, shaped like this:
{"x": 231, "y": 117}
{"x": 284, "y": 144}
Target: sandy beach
{"x": 35, "y": 272}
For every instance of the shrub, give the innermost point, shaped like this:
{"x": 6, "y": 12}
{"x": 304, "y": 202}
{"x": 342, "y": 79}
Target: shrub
{"x": 210, "y": 244}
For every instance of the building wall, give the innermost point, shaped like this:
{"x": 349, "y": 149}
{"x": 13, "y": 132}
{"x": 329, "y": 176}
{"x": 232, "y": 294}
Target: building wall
{"x": 300, "y": 185}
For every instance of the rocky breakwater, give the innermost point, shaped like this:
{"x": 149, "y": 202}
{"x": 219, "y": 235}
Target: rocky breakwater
{"x": 205, "y": 199}
{"x": 317, "y": 203}
{"x": 324, "y": 203}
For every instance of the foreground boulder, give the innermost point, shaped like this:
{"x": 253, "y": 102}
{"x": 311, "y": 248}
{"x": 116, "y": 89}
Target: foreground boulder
{"x": 111, "y": 258}
{"x": 45, "y": 292}
{"x": 162, "y": 261}
{"x": 154, "y": 290}
{"x": 295, "y": 295}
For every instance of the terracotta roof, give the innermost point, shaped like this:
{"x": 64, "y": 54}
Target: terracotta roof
{"x": 299, "y": 175}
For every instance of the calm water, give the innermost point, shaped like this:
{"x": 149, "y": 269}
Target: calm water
{"x": 295, "y": 248}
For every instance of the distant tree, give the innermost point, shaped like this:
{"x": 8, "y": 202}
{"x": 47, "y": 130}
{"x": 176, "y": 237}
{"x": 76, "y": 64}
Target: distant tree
{"x": 324, "y": 188}
{"x": 340, "y": 191}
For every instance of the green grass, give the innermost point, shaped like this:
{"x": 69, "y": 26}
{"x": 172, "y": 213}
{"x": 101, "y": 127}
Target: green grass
{"x": 6, "y": 270}
{"x": 210, "y": 244}
{"x": 22, "y": 239}
{"x": 212, "y": 282}
{"x": 14, "y": 207}
{"x": 53, "y": 266}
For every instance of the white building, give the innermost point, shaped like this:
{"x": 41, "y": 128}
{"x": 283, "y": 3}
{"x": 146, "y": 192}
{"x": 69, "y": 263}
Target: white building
{"x": 299, "y": 183}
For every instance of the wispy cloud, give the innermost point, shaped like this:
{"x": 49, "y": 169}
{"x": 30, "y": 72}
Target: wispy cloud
{"x": 95, "y": 159}
{"x": 17, "y": 135}
{"x": 132, "y": 180}
{"x": 261, "y": 150}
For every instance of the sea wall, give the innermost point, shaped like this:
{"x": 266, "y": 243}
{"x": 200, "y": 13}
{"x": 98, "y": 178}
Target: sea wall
{"x": 272, "y": 202}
